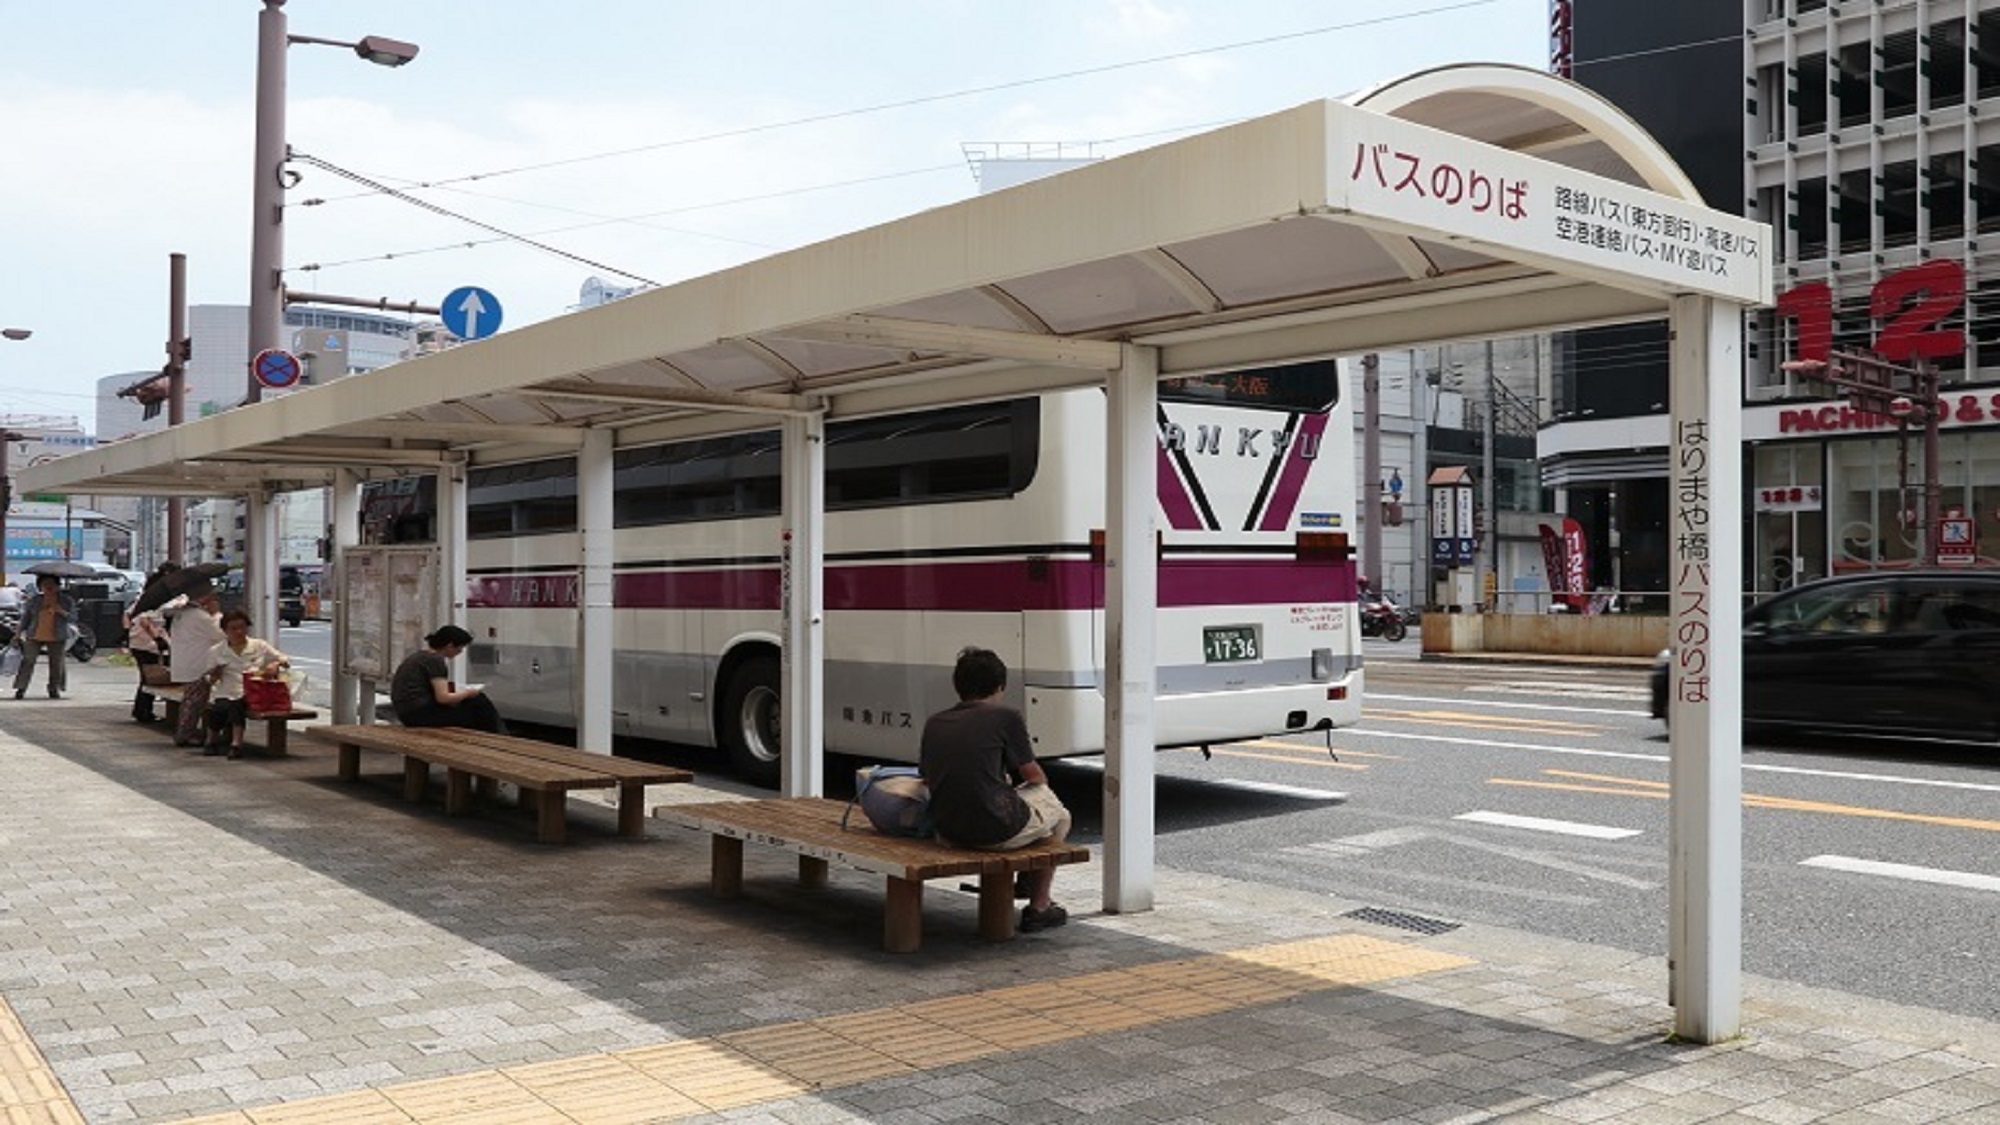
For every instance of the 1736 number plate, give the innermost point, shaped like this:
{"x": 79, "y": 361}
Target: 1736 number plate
{"x": 1231, "y": 644}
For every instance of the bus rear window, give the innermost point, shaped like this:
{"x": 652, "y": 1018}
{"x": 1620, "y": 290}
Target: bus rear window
{"x": 1310, "y": 387}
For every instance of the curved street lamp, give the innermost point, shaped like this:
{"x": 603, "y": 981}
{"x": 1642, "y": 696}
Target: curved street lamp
{"x": 267, "y": 203}
{"x": 17, "y": 333}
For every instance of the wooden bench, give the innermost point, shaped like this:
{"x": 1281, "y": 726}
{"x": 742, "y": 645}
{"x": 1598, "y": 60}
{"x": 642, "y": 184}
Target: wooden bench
{"x": 276, "y": 723}
{"x": 811, "y": 827}
{"x": 544, "y": 773}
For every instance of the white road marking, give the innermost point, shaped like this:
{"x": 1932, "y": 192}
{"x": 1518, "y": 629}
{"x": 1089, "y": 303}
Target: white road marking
{"x": 1540, "y": 824}
{"x": 1905, "y": 871}
{"x": 1373, "y": 695}
{"x": 1748, "y": 767}
{"x": 1276, "y": 789}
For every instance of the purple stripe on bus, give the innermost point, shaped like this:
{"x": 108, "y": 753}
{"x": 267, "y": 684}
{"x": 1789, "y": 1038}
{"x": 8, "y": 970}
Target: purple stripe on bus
{"x": 991, "y": 587}
{"x": 1174, "y": 497}
{"x": 1292, "y": 478}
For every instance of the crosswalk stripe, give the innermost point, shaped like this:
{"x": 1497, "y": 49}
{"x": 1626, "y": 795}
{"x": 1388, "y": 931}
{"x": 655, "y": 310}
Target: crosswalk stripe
{"x": 1938, "y": 875}
{"x": 1540, "y": 824}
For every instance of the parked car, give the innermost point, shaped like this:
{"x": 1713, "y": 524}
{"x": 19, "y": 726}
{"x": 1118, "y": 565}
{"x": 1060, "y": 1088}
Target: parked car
{"x": 291, "y": 594}
{"x": 1914, "y": 654}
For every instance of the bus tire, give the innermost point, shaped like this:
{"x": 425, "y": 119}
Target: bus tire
{"x": 749, "y": 730}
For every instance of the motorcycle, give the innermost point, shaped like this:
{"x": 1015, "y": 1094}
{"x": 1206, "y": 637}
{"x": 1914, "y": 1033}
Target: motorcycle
{"x": 1383, "y": 619}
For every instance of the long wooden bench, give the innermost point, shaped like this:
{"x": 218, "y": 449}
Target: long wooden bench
{"x": 811, "y": 826}
{"x": 544, "y": 773}
{"x": 277, "y": 724}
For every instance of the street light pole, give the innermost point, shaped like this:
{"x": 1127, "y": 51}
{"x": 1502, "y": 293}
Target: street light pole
{"x": 267, "y": 193}
{"x": 267, "y": 196}
{"x": 7, "y": 437}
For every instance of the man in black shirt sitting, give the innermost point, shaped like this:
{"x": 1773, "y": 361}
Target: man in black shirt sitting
{"x": 987, "y": 790}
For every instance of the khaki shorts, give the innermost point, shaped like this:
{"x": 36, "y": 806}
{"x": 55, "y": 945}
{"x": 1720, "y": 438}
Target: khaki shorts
{"x": 1047, "y": 820}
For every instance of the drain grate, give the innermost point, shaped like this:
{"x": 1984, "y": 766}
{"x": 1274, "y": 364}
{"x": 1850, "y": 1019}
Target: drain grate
{"x": 1415, "y": 923}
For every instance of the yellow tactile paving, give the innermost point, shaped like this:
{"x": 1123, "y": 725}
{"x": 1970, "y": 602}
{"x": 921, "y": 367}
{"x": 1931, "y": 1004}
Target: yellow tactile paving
{"x": 778, "y": 1061}
{"x": 29, "y": 1091}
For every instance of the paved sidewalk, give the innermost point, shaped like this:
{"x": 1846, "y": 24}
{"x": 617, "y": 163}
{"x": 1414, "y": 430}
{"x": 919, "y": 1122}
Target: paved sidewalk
{"x": 187, "y": 938}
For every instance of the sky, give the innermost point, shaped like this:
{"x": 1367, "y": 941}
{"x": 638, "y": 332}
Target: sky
{"x": 653, "y": 140}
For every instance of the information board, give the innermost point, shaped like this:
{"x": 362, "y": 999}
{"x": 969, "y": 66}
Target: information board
{"x": 389, "y": 597}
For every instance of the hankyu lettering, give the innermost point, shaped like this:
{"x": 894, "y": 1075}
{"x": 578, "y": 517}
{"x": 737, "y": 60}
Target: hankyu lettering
{"x": 1208, "y": 439}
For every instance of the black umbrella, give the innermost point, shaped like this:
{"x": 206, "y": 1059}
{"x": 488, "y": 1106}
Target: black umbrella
{"x": 193, "y": 581}
{"x": 62, "y": 568}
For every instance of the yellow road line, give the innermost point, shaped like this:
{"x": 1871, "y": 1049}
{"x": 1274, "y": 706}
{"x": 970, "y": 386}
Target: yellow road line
{"x": 1490, "y": 722}
{"x": 1275, "y": 744}
{"x": 1636, "y": 787}
{"x": 770, "y": 1063}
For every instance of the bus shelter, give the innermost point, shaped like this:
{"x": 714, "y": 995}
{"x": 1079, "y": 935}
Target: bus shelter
{"x": 1464, "y": 202}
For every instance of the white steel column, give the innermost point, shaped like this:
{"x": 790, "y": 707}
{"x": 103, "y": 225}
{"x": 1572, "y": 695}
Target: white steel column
{"x": 802, "y": 588}
{"x": 1705, "y": 688}
{"x": 1131, "y": 599}
{"x": 594, "y": 490}
{"x": 260, "y": 563}
{"x": 345, "y": 532}
{"x": 450, "y": 530}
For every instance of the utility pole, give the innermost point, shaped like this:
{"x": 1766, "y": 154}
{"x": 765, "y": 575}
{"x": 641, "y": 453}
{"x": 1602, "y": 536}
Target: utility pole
{"x": 1909, "y": 394}
{"x": 1371, "y": 471}
{"x": 179, "y": 351}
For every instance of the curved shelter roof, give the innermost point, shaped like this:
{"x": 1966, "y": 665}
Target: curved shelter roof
{"x": 1461, "y": 202}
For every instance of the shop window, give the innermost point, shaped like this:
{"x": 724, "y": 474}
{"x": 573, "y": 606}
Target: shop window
{"x": 1853, "y": 93}
{"x": 1944, "y": 63}
{"x": 1808, "y": 94}
{"x": 1898, "y": 74}
{"x": 1944, "y": 195}
{"x": 1809, "y": 217}
{"x": 1853, "y": 214}
{"x": 1899, "y": 203}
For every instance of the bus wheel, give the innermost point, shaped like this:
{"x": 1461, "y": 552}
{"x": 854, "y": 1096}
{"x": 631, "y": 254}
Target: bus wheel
{"x": 749, "y": 730}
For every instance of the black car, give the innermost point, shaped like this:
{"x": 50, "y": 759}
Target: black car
{"x": 1913, "y": 654}
{"x": 291, "y": 594}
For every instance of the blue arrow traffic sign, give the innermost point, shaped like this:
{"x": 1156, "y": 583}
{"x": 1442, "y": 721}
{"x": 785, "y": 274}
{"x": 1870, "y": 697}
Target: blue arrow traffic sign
{"x": 470, "y": 312}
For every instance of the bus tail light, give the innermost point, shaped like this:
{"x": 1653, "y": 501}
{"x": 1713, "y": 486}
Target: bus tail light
{"x": 1336, "y": 694}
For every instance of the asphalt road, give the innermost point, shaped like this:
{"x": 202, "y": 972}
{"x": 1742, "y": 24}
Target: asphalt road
{"x": 1535, "y": 797}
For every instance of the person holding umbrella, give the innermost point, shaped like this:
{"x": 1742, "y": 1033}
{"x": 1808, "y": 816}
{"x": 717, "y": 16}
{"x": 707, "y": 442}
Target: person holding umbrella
{"x": 146, "y": 639}
{"x": 45, "y": 622}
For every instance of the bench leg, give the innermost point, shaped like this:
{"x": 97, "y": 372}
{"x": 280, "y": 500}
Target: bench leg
{"x": 632, "y": 811}
{"x": 275, "y": 732}
{"x": 350, "y": 762}
{"x": 416, "y": 778}
{"x": 996, "y": 905}
{"x": 903, "y": 917}
{"x": 725, "y": 866}
{"x": 551, "y": 816}
{"x": 812, "y": 872}
{"x": 457, "y": 792}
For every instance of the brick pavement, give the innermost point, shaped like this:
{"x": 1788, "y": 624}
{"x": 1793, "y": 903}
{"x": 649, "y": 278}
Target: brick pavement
{"x": 186, "y": 938}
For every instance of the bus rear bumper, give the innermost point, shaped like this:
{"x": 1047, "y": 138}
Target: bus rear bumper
{"x": 1063, "y": 722}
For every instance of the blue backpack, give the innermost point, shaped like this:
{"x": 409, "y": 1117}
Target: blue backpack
{"x": 894, "y": 799}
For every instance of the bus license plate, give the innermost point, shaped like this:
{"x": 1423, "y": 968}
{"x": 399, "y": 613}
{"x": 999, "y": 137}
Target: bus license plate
{"x": 1230, "y": 644}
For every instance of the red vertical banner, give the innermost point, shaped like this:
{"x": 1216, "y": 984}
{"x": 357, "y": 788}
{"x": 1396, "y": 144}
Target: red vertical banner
{"x": 1552, "y": 560}
{"x": 1576, "y": 565}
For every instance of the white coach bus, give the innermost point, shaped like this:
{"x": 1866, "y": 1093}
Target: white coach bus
{"x": 966, "y": 525}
